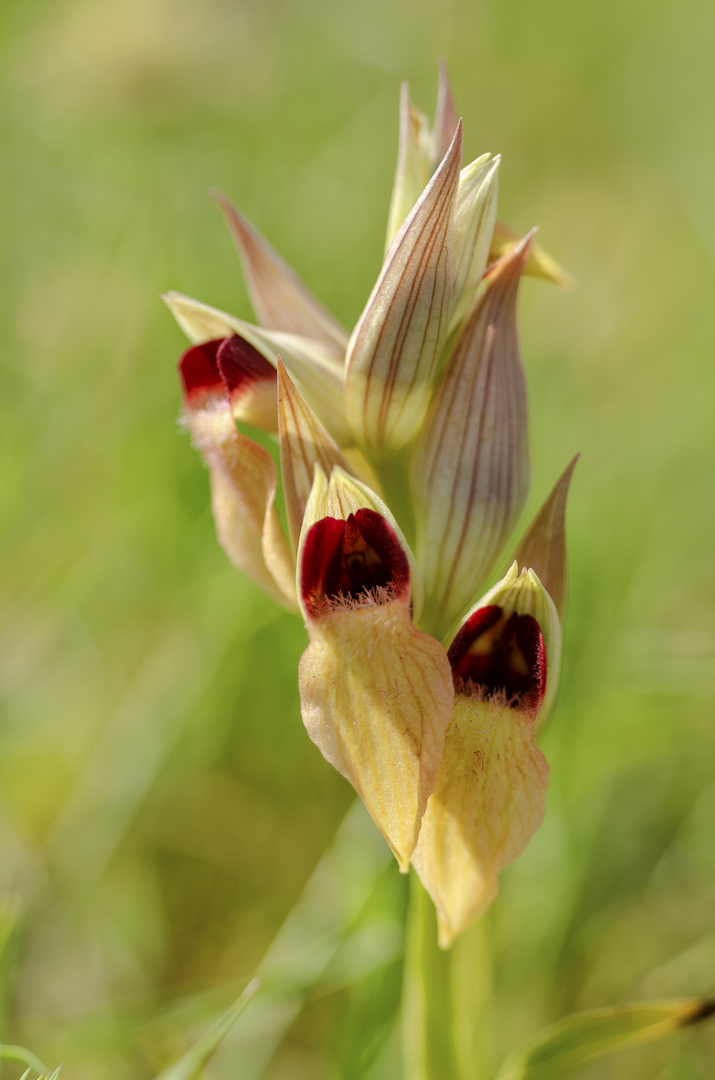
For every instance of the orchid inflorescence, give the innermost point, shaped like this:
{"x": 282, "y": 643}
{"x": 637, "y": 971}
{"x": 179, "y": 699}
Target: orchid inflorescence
{"x": 405, "y": 468}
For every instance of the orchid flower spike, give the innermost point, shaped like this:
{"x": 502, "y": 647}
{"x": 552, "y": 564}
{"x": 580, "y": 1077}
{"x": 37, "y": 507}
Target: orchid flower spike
{"x": 404, "y": 467}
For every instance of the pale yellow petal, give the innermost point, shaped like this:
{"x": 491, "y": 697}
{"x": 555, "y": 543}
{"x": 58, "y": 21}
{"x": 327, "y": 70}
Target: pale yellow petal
{"x": 489, "y": 800}
{"x": 200, "y": 322}
{"x": 474, "y": 219}
{"x": 376, "y": 697}
{"x": 243, "y": 485}
{"x": 539, "y": 264}
{"x": 280, "y": 299}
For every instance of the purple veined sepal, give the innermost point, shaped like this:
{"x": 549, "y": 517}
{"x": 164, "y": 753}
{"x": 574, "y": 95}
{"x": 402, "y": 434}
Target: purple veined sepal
{"x": 395, "y": 347}
{"x": 304, "y": 444}
{"x": 280, "y": 300}
{"x": 470, "y": 467}
{"x": 543, "y": 546}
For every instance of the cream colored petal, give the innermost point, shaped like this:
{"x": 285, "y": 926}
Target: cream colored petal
{"x": 489, "y": 800}
{"x": 343, "y": 495}
{"x": 199, "y": 322}
{"x": 543, "y": 548}
{"x": 414, "y": 163}
{"x": 395, "y": 347}
{"x": 474, "y": 219}
{"x": 470, "y": 473}
{"x": 539, "y": 264}
{"x": 376, "y": 697}
{"x": 316, "y": 372}
{"x": 243, "y": 485}
{"x": 304, "y": 443}
{"x": 280, "y": 299}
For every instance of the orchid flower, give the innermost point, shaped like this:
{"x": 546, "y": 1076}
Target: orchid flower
{"x": 405, "y": 469}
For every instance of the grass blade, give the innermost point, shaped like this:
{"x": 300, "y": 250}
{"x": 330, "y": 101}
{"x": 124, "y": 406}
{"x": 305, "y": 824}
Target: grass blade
{"x": 190, "y": 1066}
{"x": 560, "y": 1050}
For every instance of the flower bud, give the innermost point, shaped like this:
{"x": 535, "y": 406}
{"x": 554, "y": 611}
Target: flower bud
{"x": 421, "y": 149}
{"x": 394, "y": 350}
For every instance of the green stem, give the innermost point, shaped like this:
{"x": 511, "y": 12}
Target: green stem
{"x": 472, "y": 996}
{"x": 446, "y": 999}
{"x": 428, "y": 1046}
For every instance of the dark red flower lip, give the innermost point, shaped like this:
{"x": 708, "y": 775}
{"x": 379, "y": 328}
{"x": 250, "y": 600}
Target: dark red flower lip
{"x": 501, "y": 654}
{"x": 200, "y": 375}
{"x": 222, "y": 366}
{"x": 356, "y": 559}
{"x": 241, "y": 366}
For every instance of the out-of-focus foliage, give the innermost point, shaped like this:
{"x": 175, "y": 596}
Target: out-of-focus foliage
{"x": 161, "y": 808}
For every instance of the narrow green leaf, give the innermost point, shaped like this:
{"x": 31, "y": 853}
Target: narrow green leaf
{"x": 189, "y": 1067}
{"x": 571, "y": 1043}
{"x": 25, "y": 1057}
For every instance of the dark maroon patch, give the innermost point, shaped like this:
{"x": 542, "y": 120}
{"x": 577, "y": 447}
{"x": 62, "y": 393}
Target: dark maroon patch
{"x": 200, "y": 375}
{"x": 240, "y": 364}
{"x": 501, "y": 653}
{"x": 349, "y": 558}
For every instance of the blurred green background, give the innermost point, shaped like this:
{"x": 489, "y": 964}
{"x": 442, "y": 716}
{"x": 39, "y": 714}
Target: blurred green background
{"x": 161, "y": 808}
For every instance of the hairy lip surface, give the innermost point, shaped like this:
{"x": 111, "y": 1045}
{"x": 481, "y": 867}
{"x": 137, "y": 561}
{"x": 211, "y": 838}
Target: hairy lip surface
{"x": 355, "y": 558}
{"x": 504, "y": 654}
